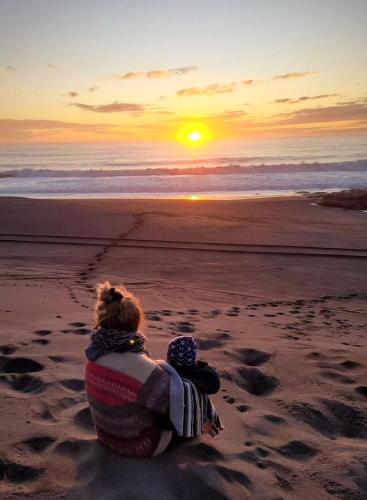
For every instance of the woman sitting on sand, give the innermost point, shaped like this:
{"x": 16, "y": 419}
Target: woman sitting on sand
{"x": 128, "y": 392}
{"x": 137, "y": 404}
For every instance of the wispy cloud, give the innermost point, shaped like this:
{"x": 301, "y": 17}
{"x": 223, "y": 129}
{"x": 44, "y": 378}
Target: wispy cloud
{"x": 156, "y": 73}
{"x": 350, "y": 111}
{"x": 236, "y": 114}
{"x": 93, "y": 88}
{"x": 47, "y": 124}
{"x": 288, "y": 100}
{"x": 7, "y": 67}
{"x": 50, "y": 66}
{"x": 113, "y": 107}
{"x": 215, "y": 88}
{"x": 248, "y": 82}
{"x": 12, "y": 130}
{"x": 212, "y": 89}
{"x": 72, "y": 93}
{"x": 290, "y": 76}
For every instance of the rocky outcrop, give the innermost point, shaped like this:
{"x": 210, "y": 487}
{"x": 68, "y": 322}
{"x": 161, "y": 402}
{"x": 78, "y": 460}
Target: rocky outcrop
{"x": 349, "y": 199}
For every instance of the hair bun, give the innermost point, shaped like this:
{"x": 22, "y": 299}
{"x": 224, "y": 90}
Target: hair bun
{"x": 114, "y": 295}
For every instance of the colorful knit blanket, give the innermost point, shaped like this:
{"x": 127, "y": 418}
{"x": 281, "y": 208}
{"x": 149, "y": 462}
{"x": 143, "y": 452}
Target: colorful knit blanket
{"x": 125, "y": 410}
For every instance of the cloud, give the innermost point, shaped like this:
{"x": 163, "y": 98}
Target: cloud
{"x": 12, "y": 130}
{"x": 50, "y": 131}
{"x": 290, "y": 76}
{"x": 304, "y": 98}
{"x": 72, "y": 93}
{"x": 229, "y": 115}
{"x": 161, "y": 111}
{"x": 156, "y": 73}
{"x": 14, "y": 124}
{"x": 93, "y": 88}
{"x": 351, "y": 111}
{"x": 51, "y": 66}
{"x": 214, "y": 88}
{"x": 113, "y": 107}
{"x": 247, "y": 82}
{"x": 7, "y": 67}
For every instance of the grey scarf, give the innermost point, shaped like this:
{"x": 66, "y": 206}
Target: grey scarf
{"x": 105, "y": 340}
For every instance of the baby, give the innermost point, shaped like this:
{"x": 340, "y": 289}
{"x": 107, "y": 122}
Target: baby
{"x": 181, "y": 355}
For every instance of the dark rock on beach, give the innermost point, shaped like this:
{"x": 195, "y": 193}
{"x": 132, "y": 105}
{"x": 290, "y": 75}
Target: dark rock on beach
{"x": 349, "y": 199}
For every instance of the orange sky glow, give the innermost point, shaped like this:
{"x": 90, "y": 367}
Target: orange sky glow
{"x": 247, "y": 71}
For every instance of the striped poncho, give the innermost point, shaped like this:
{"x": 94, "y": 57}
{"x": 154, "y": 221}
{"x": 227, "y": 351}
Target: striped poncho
{"x": 191, "y": 412}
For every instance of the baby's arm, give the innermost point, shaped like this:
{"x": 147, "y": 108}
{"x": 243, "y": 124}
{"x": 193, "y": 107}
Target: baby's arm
{"x": 209, "y": 382}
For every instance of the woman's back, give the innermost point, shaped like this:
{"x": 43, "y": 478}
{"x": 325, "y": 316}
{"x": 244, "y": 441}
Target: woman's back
{"x": 128, "y": 392}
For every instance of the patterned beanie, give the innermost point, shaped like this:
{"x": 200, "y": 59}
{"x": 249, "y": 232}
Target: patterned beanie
{"x": 182, "y": 351}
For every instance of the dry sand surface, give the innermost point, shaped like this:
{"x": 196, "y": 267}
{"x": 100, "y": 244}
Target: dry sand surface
{"x": 278, "y": 311}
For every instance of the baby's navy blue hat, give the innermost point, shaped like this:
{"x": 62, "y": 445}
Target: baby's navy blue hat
{"x": 182, "y": 351}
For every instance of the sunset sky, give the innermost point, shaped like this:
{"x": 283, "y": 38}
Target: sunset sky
{"x": 123, "y": 70}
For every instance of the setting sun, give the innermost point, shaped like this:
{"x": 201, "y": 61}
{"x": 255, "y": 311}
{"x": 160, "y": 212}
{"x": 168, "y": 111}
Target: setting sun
{"x": 194, "y": 134}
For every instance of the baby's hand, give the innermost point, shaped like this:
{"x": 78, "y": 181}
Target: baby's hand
{"x": 211, "y": 429}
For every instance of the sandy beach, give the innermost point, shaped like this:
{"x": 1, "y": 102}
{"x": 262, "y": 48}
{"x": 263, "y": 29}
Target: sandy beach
{"x": 274, "y": 290}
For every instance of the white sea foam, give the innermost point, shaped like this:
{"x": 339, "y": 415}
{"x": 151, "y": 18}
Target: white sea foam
{"x": 227, "y": 169}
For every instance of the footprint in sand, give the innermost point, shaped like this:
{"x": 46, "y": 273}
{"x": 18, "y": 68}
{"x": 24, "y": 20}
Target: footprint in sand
{"x": 252, "y": 357}
{"x": 216, "y": 341}
{"x": 242, "y": 408}
{"x": 40, "y": 341}
{"x": 274, "y": 419}
{"x": 254, "y": 457}
{"x": 8, "y": 349}
{"x": 24, "y": 383}
{"x": 255, "y": 381}
{"x": 43, "y": 333}
{"x": 297, "y": 450}
{"x": 83, "y": 420}
{"x": 185, "y": 327}
{"x": 78, "y": 328}
{"x": 337, "y": 377}
{"x": 207, "y": 344}
{"x": 73, "y": 447}
{"x": 74, "y": 384}
{"x": 79, "y": 331}
{"x": 193, "y": 312}
{"x": 62, "y": 359}
{"x": 38, "y": 444}
{"x": 154, "y": 317}
{"x": 234, "y": 311}
{"x": 331, "y": 418}
{"x": 51, "y": 412}
{"x": 20, "y": 365}
{"x": 233, "y": 476}
{"x": 229, "y": 399}
{"x": 350, "y": 365}
{"x": 18, "y": 473}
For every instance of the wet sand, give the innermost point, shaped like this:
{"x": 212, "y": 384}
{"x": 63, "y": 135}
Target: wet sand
{"x": 274, "y": 290}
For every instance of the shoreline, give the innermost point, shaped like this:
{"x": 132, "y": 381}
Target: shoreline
{"x": 347, "y": 199}
{"x": 137, "y": 196}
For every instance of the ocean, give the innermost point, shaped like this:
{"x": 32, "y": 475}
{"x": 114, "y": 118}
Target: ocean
{"x": 219, "y": 169}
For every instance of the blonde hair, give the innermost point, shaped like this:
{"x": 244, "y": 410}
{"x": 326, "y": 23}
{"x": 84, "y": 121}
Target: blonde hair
{"x": 117, "y": 308}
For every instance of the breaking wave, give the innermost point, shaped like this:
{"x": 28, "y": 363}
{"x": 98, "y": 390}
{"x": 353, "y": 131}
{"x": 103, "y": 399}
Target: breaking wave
{"x": 197, "y": 170}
